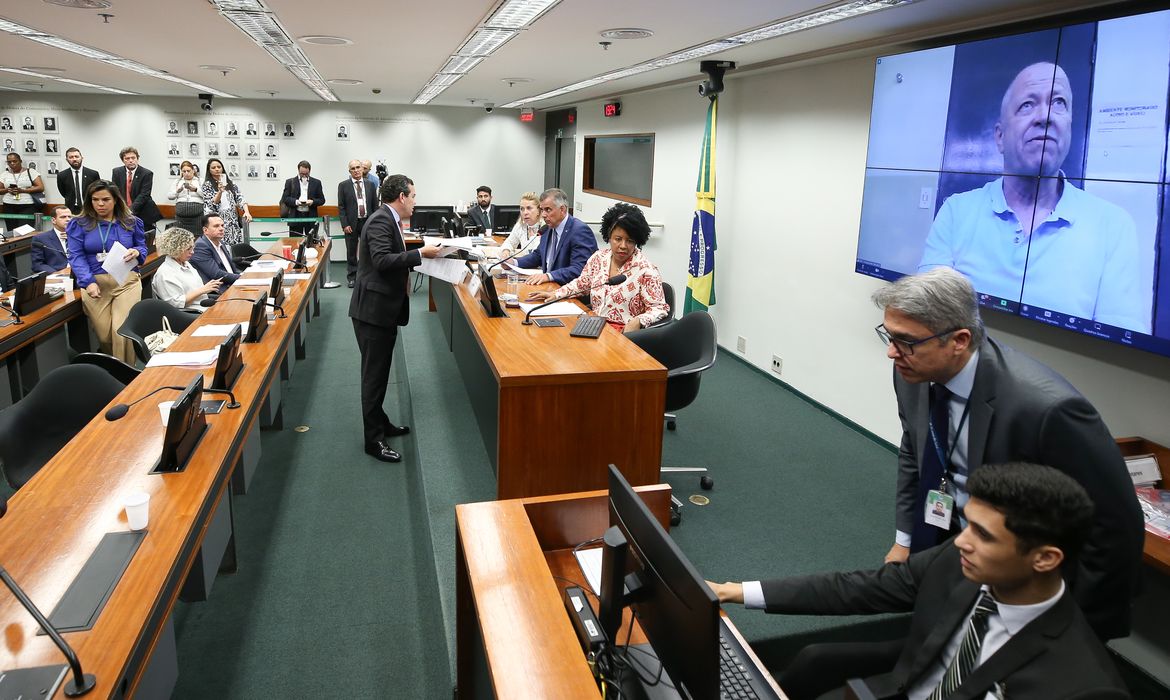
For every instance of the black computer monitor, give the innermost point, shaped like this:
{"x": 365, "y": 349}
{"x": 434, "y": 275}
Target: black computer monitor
{"x": 185, "y": 426}
{"x": 300, "y": 256}
{"x": 506, "y": 217}
{"x": 258, "y": 320}
{"x": 487, "y": 294}
{"x": 229, "y": 362}
{"x": 276, "y": 288}
{"x": 430, "y": 218}
{"x": 29, "y": 294}
{"x": 676, "y": 609}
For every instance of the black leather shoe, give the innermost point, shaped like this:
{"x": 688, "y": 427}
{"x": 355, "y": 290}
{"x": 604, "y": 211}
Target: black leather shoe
{"x": 350, "y": 283}
{"x": 382, "y": 452}
{"x": 396, "y": 430}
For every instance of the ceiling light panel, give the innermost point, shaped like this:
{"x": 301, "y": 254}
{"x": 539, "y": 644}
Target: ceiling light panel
{"x": 461, "y": 64}
{"x": 263, "y": 27}
{"x": 515, "y": 14}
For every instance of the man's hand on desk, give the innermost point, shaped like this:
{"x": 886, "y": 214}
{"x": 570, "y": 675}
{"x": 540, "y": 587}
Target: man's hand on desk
{"x": 429, "y": 251}
{"x": 538, "y": 279}
{"x": 898, "y": 553}
{"x": 727, "y": 592}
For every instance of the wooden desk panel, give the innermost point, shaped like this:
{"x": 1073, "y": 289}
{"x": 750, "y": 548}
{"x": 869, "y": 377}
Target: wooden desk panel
{"x": 55, "y": 521}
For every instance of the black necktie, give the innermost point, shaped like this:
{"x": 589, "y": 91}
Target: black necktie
{"x": 931, "y": 468}
{"x": 967, "y": 657}
{"x": 77, "y": 186}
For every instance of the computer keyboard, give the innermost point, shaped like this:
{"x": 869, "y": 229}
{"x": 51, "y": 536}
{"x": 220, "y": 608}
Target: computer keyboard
{"x": 735, "y": 677}
{"x": 588, "y": 326}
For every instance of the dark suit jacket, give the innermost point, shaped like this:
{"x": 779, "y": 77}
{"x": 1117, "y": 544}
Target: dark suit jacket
{"x": 1022, "y": 410}
{"x": 1057, "y": 655}
{"x": 576, "y": 245}
{"x": 379, "y": 292}
{"x": 139, "y": 200}
{"x": 65, "y": 185}
{"x": 477, "y": 218}
{"x": 208, "y": 264}
{"x": 51, "y": 257}
{"x": 347, "y": 205}
{"x": 292, "y": 190}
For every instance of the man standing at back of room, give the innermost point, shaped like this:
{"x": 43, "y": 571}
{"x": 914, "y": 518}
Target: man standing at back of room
{"x": 356, "y": 200}
{"x": 379, "y": 304}
{"x": 136, "y": 184}
{"x": 966, "y": 400}
{"x": 302, "y": 195}
{"x": 565, "y": 243}
{"x": 75, "y": 180}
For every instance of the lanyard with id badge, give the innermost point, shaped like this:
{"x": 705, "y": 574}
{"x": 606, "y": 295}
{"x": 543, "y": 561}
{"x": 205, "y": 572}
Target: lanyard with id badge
{"x": 940, "y": 505}
{"x": 105, "y": 235}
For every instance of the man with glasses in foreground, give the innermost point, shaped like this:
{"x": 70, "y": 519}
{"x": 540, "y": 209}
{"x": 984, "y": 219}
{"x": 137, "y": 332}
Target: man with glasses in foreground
{"x": 966, "y": 400}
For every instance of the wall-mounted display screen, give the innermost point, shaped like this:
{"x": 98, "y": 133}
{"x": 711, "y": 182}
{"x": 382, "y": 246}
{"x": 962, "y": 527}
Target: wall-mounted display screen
{"x": 1035, "y": 164}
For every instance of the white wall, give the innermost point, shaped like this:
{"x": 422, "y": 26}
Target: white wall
{"x": 448, "y": 151}
{"x": 791, "y": 150}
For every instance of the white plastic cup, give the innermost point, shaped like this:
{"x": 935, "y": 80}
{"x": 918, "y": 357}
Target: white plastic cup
{"x": 138, "y": 510}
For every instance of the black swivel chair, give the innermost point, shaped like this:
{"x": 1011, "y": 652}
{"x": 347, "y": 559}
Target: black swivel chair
{"x": 118, "y": 370}
{"x": 668, "y": 295}
{"x": 146, "y": 318}
{"x": 243, "y": 254}
{"x": 687, "y": 348}
{"x": 35, "y": 428}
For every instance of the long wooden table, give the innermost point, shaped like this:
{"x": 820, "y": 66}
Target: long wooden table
{"x": 513, "y": 559}
{"x": 55, "y": 521}
{"x": 553, "y": 410}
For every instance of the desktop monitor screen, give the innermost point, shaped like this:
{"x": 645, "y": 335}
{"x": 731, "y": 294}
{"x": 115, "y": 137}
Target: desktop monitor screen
{"x": 430, "y": 218}
{"x": 487, "y": 294}
{"x": 258, "y": 320}
{"x": 506, "y": 217}
{"x": 300, "y": 257}
{"x": 676, "y": 609}
{"x": 276, "y": 288}
{"x": 185, "y": 425}
{"x": 229, "y": 362}
{"x": 30, "y": 293}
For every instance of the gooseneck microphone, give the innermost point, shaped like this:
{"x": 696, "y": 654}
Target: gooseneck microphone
{"x": 616, "y": 279}
{"x": 212, "y": 301}
{"x": 522, "y": 249}
{"x": 15, "y": 316}
{"x": 119, "y": 410}
{"x": 278, "y": 257}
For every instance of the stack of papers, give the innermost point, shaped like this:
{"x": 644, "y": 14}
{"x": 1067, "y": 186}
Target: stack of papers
{"x": 561, "y": 308}
{"x": 268, "y": 265}
{"x": 253, "y": 282}
{"x": 219, "y": 330}
{"x": 198, "y": 358}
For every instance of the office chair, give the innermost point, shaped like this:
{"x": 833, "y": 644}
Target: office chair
{"x": 687, "y": 348}
{"x": 118, "y": 370}
{"x": 668, "y": 295}
{"x": 35, "y": 428}
{"x": 243, "y": 254}
{"x": 146, "y": 318}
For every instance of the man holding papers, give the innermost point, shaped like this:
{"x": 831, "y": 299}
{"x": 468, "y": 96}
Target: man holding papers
{"x": 565, "y": 244}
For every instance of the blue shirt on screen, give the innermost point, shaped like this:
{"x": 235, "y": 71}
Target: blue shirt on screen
{"x": 1082, "y": 260}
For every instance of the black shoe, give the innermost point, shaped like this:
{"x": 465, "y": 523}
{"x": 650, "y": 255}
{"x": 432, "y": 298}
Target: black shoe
{"x": 350, "y": 284}
{"x": 382, "y": 452}
{"x": 396, "y": 430}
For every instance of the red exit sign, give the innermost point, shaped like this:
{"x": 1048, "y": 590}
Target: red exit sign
{"x": 527, "y": 116}
{"x": 613, "y": 109}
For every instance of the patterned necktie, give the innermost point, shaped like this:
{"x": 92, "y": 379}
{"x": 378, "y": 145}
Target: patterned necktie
{"x": 552, "y": 250}
{"x": 968, "y": 655}
{"x": 361, "y": 199}
{"x": 931, "y": 468}
{"x": 129, "y": 179}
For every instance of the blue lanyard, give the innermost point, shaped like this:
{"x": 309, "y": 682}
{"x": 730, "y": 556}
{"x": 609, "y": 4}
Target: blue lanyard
{"x": 105, "y": 234}
{"x": 946, "y": 459}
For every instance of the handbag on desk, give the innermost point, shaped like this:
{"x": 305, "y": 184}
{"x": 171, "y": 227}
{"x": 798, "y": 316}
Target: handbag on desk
{"x": 160, "y": 340}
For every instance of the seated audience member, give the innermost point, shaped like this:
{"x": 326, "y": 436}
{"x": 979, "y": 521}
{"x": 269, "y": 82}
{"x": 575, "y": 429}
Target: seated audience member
{"x": 176, "y": 281}
{"x": 212, "y": 258}
{"x": 567, "y": 242}
{"x": 527, "y": 226}
{"x": 635, "y": 303}
{"x": 992, "y": 616}
{"x": 483, "y": 213}
{"x": 50, "y": 250}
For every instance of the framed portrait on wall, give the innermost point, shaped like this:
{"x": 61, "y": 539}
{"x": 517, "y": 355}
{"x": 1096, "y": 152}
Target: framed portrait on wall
{"x": 192, "y": 127}
{"x": 193, "y": 150}
{"x": 343, "y": 131}
{"x": 213, "y": 149}
{"x": 6, "y": 124}
{"x": 211, "y": 128}
{"x": 172, "y": 128}
{"x": 233, "y": 149}
{"x": 289, "y": 131}
{"x": 50, "y": 124}
{"x": 52, "y": 146}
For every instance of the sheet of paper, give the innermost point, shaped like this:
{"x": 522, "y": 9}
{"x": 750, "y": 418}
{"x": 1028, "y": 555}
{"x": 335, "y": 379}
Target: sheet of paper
{"x": 268, "y": 265}
{"x": 561, "y": 308}
{"x": 253, "y": 282}
{"x": 522, "y": 270}
{"x": 293, "y": 276}
{"x": 198, "y": 358}
{"x": 467, "y": 243}
{"x": 219, "y": 330}
{"x": 447, "y": 269}
{"x": 118, "y": 268}
{"x": 23, "y": 230}
{"x": 590, "y": 561}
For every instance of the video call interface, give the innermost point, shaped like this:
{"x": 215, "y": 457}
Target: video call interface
{"x": 1035, "y": 164}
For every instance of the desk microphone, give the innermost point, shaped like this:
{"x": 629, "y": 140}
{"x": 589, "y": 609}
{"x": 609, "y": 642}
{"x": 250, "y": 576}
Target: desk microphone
{"x": 530, "y": 240}
{"x": 278, "y": 257}
{"x": 212, "y": 301}
{"x": 15, "y": 316}
{"x": 616, "y": 279}
{"x": 119, "y": 410}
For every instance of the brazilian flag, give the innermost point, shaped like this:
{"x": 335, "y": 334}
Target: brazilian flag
{"x": 701, "y": 271}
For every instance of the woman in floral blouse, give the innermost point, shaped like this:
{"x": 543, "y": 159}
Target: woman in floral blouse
{"x": 635, "y": 303}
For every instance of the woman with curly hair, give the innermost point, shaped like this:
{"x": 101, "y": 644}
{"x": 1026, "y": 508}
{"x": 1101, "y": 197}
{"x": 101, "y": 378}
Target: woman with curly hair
{"x": 176, "y": 281}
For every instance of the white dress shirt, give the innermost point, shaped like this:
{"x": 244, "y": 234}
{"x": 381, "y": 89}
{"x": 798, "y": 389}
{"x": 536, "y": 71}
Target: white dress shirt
{"x": 173, "y": 281}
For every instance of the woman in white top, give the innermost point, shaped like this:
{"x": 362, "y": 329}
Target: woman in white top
{"x": 20, "y": 184}
{"x": 187, "y": 198}
{"x": 527, "y": 226}
{"x": 221, "y": 196}
{"x": 176, "y": 281}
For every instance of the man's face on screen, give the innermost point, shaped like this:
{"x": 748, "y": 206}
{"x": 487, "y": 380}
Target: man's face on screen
{"x": 1035, "y": 121}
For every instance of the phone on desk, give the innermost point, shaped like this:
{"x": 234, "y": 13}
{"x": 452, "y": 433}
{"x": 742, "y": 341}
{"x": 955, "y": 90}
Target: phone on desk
{"x": 548, "y": 322}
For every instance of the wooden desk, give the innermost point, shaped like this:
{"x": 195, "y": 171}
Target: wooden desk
{"x": 1156, "y": 551}
{"x": 513, "y": 635}
{"x": 55, "y": 521}
{"x": 554, "y": 411}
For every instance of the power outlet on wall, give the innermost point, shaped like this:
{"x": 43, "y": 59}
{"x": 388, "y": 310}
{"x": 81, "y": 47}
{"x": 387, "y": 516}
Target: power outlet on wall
{"x": 777, "y": 364}
{"x": 741, "y": 345}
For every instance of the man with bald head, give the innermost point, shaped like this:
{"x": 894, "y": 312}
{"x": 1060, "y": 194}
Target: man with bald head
{"x": 1080, "y": 251}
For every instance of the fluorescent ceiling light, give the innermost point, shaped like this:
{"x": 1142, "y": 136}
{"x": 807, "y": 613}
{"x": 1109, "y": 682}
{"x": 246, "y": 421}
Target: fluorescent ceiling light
{"x": 484, "y": 41}
{"x": 70, "y": 81}
{"x": 18, "y": 29}
{"x": 263, "y": 27}
{"x": 515, "y": 14}
{"x": 65, "y": 44}
{"x": 461, "y": 64}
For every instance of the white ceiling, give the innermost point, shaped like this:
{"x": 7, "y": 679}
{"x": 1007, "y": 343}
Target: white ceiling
{"x": 397, "y": 46}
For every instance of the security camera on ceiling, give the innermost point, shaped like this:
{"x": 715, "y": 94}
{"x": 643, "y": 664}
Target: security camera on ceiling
{"x": 713, "y": 85}
{"x": 489, "y": 106}
{"x": 205, "y": 101}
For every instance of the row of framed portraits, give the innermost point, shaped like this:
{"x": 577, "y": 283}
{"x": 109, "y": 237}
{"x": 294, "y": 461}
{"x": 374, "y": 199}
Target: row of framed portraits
{"x": 25, "y": 124}
{"x": 31, "y": 146}
{"x": 228, "y": 149}
{"x": 236, "y": 171}
{"x": 230, "y": 128}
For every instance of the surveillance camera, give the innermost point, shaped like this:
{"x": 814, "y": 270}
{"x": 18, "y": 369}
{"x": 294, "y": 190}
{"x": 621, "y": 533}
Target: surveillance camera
{"x": 377, "y": 91}
{"x": 205, "y": 101}
{"x": 488, "y": 107}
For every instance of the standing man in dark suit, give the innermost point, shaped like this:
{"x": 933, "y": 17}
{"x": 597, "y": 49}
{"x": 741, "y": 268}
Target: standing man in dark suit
{"x": 484, "y": 214}
{"x": 302, "y": 195}
{"x": 212, "y": 259}
{"x": 136, "y": 184}
{"x": 565, "y": 244}
{"x": 991, "y": 612}
{"x": 379, "y": 304}
{"x": 49, "y": 249}
{"x": 966, "y": 400}
{"x": 75, "y": 180}
{"x": 356, "y": 200}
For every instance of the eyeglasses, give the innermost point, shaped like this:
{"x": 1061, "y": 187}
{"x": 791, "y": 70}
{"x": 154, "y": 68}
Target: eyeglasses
{"x": 903, "y": 346}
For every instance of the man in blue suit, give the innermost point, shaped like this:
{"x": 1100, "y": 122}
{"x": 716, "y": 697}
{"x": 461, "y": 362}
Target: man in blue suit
{"x": 565, "y": 243}
{"x": 48, "y": 248}
{"x": 211, "y": 258}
